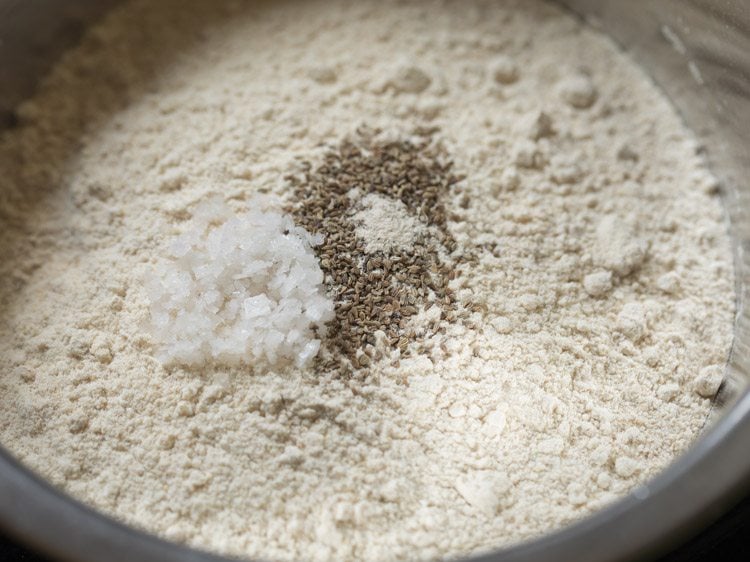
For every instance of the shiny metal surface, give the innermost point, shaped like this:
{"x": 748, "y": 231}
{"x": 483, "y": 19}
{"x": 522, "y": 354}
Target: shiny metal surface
{"x": 699, "y": 52}
{"x": 33, "y": 33}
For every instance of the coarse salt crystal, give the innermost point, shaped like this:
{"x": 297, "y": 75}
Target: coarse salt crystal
{"x": 239, "y": 290}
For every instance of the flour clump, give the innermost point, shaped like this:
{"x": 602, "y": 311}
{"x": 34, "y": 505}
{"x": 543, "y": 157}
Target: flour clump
{"x": 618, "y": 247}
{"x": 578, "y": 91}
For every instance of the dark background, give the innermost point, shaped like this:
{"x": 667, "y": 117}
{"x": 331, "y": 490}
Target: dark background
{"x": 728, "y": 540}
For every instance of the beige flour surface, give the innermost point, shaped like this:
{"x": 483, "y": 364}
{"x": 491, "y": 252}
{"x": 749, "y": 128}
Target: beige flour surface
{"x": 602, "y": 284}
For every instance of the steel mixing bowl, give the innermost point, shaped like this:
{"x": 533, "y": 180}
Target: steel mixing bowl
{"x": 698, "y": 51}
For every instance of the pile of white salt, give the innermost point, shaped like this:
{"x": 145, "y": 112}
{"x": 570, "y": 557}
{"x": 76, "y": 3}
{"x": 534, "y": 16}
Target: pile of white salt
{"x": 239, "y": 289}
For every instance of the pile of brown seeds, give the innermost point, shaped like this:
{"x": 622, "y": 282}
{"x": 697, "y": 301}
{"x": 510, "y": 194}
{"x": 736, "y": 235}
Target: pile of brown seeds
{"x": 376, "y": 294}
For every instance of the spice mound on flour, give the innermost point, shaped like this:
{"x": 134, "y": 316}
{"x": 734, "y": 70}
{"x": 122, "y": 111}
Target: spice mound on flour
{"x": 239, "y": 290}
{"x": 386, "y": 252}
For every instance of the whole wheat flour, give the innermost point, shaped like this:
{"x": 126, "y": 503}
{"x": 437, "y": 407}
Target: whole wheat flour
{"x": 583, "y": 251}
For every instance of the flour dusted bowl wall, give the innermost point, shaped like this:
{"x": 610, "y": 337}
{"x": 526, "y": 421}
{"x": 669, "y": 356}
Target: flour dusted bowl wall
{"x": 699, "y": 52}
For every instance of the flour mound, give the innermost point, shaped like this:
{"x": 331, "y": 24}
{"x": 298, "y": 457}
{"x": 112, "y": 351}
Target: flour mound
{"x": 386, "y": 224}
{"x": 239, "y": 289}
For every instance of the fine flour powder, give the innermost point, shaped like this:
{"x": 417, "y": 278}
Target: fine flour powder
{"x": 600, "y": 289}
